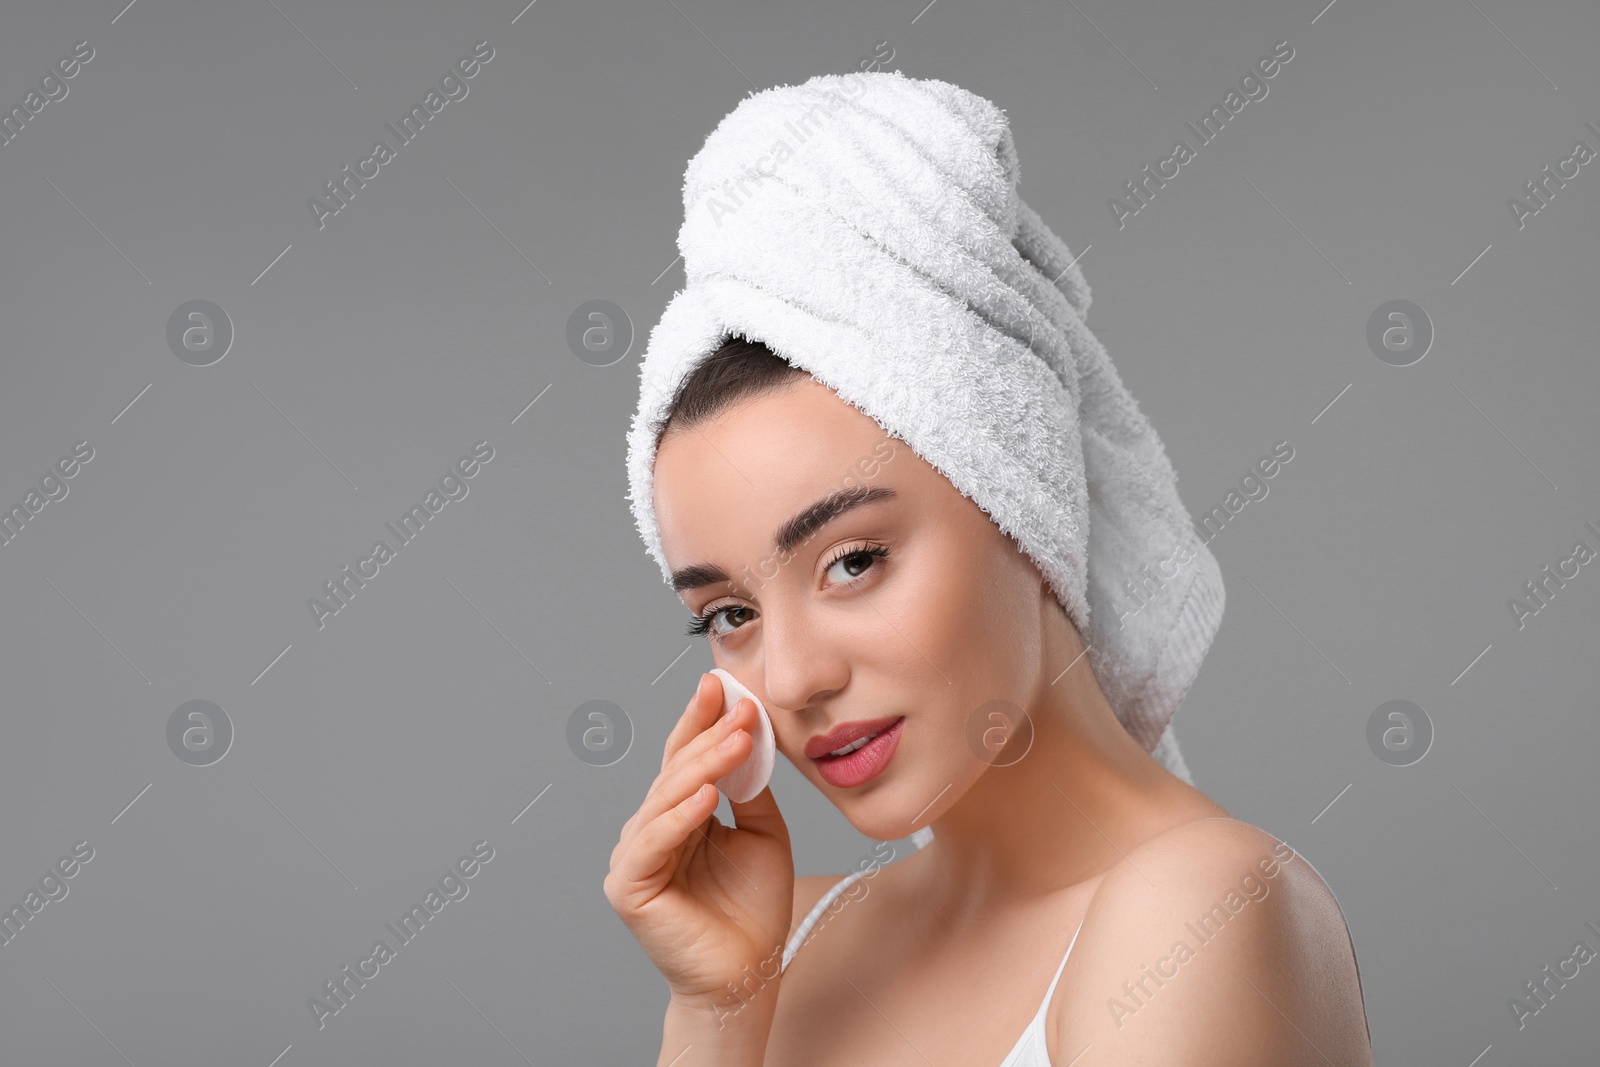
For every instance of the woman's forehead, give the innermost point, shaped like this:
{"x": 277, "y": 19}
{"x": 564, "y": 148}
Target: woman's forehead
{"x": 785, "y": 434}
{"x": 738, "y": 475}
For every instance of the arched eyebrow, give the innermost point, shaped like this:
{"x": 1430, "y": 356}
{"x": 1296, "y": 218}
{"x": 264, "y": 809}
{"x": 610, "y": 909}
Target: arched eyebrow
{"x": 806, "y": 522}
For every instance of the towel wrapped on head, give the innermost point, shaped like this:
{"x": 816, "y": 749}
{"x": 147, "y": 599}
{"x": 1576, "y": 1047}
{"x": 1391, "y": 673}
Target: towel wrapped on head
{"x": 867, "y": 228}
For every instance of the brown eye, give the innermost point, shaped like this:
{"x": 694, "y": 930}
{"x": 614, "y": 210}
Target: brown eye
{"x": 705, "y": 624}
{"x": 730, "y": 612}
{"x": 855, "y": 562}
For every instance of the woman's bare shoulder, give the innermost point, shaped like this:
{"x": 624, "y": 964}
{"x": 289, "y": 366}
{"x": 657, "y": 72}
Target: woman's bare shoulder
{"x": 1213, "y": 934}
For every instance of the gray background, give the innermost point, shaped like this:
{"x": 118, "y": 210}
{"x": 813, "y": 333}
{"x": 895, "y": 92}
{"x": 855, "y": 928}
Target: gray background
{"x": 429, "y": 313}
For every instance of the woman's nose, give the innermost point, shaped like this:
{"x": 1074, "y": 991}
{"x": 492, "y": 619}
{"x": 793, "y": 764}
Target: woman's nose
{"x": 802, "y": 665}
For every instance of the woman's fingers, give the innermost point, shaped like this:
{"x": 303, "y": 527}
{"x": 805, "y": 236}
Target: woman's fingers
{"x": 656, "y": 844}
{"x": 682, "y": 797}
{"x": 698, "y": 715}
{"x": 696, "y": 763}
{"x": 705, "y": 705}
{"x": 699, "y": 762}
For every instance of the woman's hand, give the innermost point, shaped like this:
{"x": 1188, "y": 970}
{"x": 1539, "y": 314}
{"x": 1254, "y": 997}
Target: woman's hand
{"x": 709, "y": 903}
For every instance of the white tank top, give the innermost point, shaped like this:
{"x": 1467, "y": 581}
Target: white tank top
{"x": 1031, "y": 1049}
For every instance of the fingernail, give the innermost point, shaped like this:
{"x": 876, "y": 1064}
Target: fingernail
{"x": 727, "y": 742}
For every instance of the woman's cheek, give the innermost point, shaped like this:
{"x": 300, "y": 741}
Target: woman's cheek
{"x": 932, "y": 605}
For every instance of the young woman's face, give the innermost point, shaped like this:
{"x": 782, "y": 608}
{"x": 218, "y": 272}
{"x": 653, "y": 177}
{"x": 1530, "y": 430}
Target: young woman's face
{"x": 912, "y": 604}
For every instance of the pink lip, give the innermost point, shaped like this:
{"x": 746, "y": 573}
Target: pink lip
{"x": 866, "y": 762}
{"x": 843, "y": 734}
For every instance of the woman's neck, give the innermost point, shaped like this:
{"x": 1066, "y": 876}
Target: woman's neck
{"x": 1083, "y": 796}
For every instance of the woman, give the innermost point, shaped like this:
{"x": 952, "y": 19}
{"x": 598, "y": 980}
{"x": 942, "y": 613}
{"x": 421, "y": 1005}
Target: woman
{"x": 885, "y": 533}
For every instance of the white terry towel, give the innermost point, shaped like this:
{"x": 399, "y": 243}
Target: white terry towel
{"x": 867, "y": 228}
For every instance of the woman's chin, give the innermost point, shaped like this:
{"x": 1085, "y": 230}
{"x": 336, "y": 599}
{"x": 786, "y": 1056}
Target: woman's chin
{"x": 876, "y": 817}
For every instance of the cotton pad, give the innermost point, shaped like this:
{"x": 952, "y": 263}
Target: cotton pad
{"x": 746, "y": 781}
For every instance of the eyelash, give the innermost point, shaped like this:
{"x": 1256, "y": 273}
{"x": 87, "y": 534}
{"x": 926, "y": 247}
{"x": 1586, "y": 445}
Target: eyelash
{"x": 700, "y": 625}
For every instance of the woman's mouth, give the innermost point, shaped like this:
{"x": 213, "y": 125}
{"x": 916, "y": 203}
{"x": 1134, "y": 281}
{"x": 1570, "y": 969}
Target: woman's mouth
{"x": 862, "y": 759}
